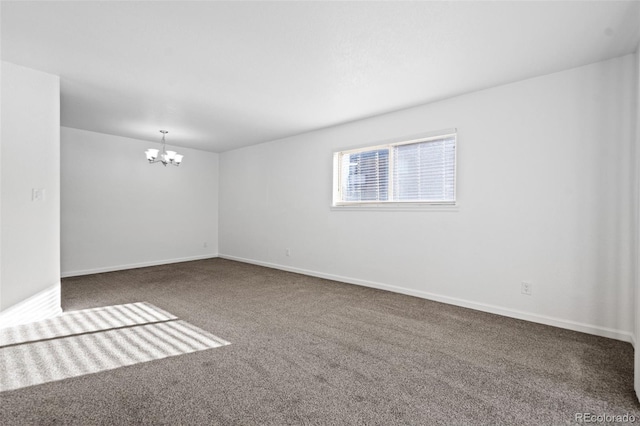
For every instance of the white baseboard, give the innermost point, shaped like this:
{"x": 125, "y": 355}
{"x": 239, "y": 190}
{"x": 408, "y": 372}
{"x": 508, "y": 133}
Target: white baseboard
{"x": 541, "y": 319}
{"x": 40, "y": 306}
{"x": 66, "y": 274}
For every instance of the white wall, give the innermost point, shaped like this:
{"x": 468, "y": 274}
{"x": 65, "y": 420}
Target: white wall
{"x": 30, "y": 244}
{"x": 119, "y": 211}
{"x": 545, "y": 195}
{"x": 637, "y": 223}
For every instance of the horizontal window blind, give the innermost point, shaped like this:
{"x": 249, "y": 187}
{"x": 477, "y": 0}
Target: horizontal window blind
{"x": 416, "y": 171}
{"x": 424, "y": 171}
{"x": 366, "y": 176}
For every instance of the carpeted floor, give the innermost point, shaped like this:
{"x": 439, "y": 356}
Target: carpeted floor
{"x": 311, "y": 351}
{"x": 93, "y": 340}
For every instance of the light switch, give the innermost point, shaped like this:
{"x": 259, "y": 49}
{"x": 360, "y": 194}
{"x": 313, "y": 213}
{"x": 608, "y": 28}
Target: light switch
{"x": 37, "y": 194}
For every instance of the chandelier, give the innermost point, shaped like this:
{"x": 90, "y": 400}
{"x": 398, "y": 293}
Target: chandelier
{"x": 166, "y": 157}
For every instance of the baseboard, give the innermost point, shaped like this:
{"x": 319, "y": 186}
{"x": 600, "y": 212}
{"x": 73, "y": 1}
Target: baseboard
{"x": 42, "y": 305}
{"x": 114, "y": 268}
{"x": 527, "y": 316}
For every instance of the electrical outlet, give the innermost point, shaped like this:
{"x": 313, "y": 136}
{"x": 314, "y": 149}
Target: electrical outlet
{"x": 205, "y": 244}
{"x": 287, "y": 252}
{"x": 37, "y": 194}
{"x": 526, "y": 288}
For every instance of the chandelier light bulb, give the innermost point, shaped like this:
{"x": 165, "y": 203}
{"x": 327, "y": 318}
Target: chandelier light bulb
{"x": 152, "y": 154}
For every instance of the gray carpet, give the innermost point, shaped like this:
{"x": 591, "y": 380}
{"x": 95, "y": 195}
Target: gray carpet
{"x": 311, "y": 351}
{"x": 93, "y": 340}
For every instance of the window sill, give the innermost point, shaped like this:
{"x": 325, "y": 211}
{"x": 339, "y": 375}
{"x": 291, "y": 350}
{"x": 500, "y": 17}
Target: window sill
{"x": 398, "y": 207}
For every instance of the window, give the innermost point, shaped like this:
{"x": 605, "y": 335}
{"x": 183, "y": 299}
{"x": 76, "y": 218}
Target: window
{"x": 416, "y": 171}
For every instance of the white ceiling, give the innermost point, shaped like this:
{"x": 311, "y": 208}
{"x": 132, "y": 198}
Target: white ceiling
{"x": 221, "y": 75}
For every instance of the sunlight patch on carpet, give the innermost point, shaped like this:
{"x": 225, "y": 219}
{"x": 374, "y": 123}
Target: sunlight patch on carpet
{"x": 84, "y": 321}
{"x": 96, "y": 344}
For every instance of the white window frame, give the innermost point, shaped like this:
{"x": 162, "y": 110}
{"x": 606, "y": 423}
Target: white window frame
{"x": 338, "y": 204}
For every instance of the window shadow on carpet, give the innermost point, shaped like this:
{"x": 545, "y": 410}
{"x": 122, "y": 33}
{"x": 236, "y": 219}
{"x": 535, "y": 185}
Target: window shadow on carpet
{"x": 94, "y": 340}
